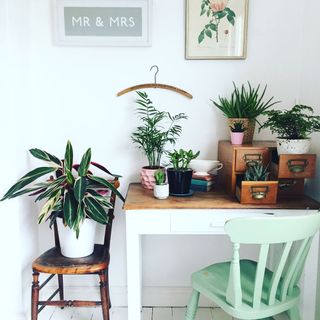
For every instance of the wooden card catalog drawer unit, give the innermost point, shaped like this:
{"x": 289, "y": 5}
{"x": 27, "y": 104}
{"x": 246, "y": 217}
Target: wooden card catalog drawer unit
{"x": 290, "y": 188}
{"x": 294, "y": 166}
{"x": 235, "y": 159}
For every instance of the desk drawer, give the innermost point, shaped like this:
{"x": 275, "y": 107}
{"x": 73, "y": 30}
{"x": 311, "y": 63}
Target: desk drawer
{"x": 206, "y": 221}
{"x": 247, "y": 155}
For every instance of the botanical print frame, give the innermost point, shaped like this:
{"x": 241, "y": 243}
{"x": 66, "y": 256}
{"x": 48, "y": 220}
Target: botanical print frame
{"x": 102, "y": 22}
{"x": 216, "y": 29}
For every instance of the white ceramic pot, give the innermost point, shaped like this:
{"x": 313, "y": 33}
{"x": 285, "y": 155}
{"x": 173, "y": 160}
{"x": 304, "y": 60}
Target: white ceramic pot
{"x": 72, "y": 247}
{"x": 161, "y": 191}
{"x": 299, "y": 146}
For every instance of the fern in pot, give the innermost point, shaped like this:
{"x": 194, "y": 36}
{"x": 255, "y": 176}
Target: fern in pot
{"x": 72, "y": 195}
{"x": 180, "y": 174}
{"x": 157, "y": 130}
{"x": 293, "y": 128}
{"x": 244, "y": 105}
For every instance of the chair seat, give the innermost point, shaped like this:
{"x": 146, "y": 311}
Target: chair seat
{"x": 53, "y": 262}
{"x": 212, "y": 282}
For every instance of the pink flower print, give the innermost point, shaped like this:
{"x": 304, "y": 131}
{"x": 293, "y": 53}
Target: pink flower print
{"x": 218, "y": 5}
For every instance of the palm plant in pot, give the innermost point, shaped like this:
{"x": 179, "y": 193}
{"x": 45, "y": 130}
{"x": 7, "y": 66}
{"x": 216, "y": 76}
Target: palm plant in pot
{"x": 244, "y": 105}
{"x": 73, "y": 197}
{"x": 237, "y": 133}
{"x": 158, "y": 129}
{"x": 293, "y": 128}
{"x": 180, "y": 175}
{"x": 161, "y": 188}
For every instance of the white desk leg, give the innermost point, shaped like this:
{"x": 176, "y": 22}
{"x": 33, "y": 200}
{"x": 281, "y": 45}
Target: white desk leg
{"x": 134, "y": 278}
{"x": 309, "y": 283}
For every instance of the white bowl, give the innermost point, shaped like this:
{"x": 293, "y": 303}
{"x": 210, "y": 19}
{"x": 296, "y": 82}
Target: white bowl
{"x": 203, "y": 167}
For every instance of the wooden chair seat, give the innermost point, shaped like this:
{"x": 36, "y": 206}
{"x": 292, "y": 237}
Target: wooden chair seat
{"x": 53, "y": 262}
{"x": 212, "y": 282}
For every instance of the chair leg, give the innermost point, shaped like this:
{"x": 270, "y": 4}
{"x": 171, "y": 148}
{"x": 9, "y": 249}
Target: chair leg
{"x": 104, "y": 295}
{"x": 61, "y": 290}
{"x": 192, "y": 306}
{"x": 294, "y": 313}
{"x": 108, "y": 288}
{"x": 35, "y": 296}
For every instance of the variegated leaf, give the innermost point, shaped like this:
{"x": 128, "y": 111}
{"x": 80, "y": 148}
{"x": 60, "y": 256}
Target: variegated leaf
{"x": 85, "y": 163}
{"x": 43, "y": 155}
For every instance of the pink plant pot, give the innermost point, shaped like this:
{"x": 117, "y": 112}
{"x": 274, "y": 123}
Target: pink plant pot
{"x": 147, "y": 177}
{"x": 237, "y": 137}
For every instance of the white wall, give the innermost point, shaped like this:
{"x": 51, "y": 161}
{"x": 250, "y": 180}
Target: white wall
{"x": 310, "y": 92}
{"x": 73, "y": 96}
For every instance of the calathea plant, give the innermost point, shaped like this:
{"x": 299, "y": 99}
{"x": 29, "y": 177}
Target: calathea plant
{"x": 72, "y": 192}
{"x": 158, "y": 128}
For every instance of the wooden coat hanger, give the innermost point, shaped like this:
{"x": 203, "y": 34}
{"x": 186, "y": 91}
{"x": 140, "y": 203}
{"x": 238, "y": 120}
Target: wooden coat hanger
{"x": 155, "y": 85}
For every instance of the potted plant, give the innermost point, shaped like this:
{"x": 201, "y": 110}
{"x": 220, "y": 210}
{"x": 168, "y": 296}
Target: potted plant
{"x": 158, "y": 129}
{"x": 72, "y": 195}
{"x": 180, "y": 175}
{"x": 256, "y": 189}
{"x": 292, "y": 128}
{"x": 161, "y": 188}
{"x": 244, "y": 105}
{"x": 237, "y": 132}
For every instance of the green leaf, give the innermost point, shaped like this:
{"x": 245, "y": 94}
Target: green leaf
{"x": 85, "y": 163}
{"x": 26, "y": 179}
{"x": 106, "y": 184}
{"x": 69, "y": 209}
{"x": 48, "y": 207}
{"x": 52, "y": 188}
{"x": 103, "y": 200}
{"x": 203, "y": 11}
{"x": 220, "y": 14}
{"x": 43, "y": 155}
{"x": 230, "y": 19}
{"x": 213, "y": 27}
{"x": 68, "y": 157}
{"x": 19, "y": 193}
{"x": 80, "y": 188}
{"x": 70, "y": 177}
{"x": 230, "y": 12}
{"x": 79, "y": 219}
{"x": 201, "y": 37}
{"x": 208, "y": 33}
{"x": 95, "y": 211}
{"x": 104, "y": 169}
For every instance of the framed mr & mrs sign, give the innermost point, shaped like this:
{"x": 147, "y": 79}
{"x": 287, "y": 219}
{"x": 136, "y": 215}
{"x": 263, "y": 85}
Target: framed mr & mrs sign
{"x": 103, "y": 22}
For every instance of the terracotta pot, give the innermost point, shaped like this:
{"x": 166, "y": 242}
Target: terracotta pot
{"x": 249, "y": 124}
{"x": 147, "y": 176}
{"x": 237, "y": 137}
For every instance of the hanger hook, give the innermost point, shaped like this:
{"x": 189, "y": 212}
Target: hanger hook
{"x": 155, "y": 75}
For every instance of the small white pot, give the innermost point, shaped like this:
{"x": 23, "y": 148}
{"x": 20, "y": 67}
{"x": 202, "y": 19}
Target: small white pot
{"x": 299, "y": 146}
{"x": 72, "y": 247}
{"x": 161, "y": 191}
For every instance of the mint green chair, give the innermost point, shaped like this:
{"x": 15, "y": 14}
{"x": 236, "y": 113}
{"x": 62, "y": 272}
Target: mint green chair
{"x": 247, "y": 289}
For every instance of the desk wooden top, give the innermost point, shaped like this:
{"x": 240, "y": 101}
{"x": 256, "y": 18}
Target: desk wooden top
{"x": 139, "y": 198}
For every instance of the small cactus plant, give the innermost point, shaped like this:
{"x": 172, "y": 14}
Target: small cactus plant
{"x": 160, "y": 177}
{"x": 238, "y": 127}
{"x": 256, "y": 172}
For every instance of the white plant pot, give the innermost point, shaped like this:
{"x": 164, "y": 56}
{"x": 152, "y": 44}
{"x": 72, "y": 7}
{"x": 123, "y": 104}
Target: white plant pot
{"x": 299, "y": 146}
{"x": 161, "y": 191}
{"x": 72, "y": 247}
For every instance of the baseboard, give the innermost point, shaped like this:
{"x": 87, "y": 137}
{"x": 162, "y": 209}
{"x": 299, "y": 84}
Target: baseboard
{"x": 151, "y": 296}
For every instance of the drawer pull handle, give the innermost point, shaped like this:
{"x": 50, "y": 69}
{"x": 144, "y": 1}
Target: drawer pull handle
{"x": 252, "y": 159}
{"x": 297, "y": 165}
{"x": 259, "y": 193}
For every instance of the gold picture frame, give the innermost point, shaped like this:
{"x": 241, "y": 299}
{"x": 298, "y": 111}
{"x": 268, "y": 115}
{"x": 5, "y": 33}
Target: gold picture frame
{"x": 216, "y": 29}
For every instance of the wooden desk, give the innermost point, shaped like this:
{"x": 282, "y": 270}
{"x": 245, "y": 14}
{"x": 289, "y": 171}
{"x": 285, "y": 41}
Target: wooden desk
{"x": 204, "y": 213}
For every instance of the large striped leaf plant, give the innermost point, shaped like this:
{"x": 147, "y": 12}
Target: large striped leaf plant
{"x": 72, "y": 192}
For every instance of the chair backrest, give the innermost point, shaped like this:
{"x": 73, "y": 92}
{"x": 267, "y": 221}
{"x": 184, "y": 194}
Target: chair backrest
{"x": 295, "y": 233}
{"x": 108, "y": 227}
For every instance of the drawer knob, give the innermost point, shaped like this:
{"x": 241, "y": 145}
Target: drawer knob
{"x": 259, "y": 193}
{"x": 252, "y": 159}
{"x": 297, "y": 165}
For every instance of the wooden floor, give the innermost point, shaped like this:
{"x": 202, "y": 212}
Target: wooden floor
{"x": 175, "y": 313}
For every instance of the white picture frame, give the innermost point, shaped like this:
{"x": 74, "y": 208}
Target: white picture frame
{"x": 216, "y": 29}
{"x": 115, "y": 23}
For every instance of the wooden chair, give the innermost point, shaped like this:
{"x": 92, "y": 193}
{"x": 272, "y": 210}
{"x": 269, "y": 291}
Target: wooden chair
{"x": 52, "y": 262}
{"x": 247, "y": 289}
